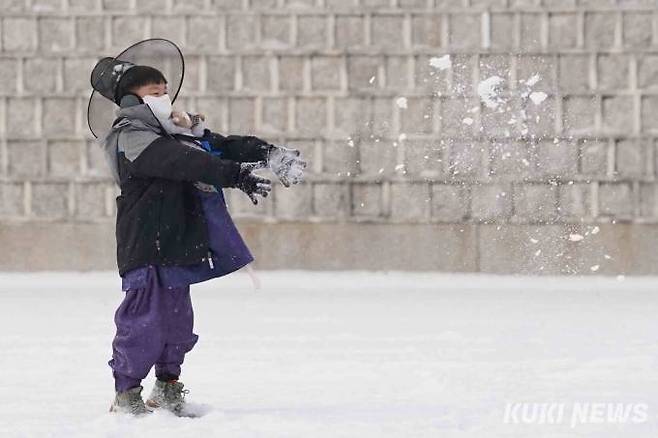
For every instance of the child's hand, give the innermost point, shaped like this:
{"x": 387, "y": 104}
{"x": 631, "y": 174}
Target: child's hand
{"x": 181, "y": 118}
{"x": 286, "y": 164}
{"x": 252, "y": 184}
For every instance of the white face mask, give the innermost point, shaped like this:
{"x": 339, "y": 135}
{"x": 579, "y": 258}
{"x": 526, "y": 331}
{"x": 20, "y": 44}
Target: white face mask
{"x": 160, "y": 105}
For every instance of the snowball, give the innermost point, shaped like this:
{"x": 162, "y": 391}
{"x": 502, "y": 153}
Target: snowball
{"x": 538, "y": 97}
{"x": 488, "y": 91}
{"x": 371, "y": 80}
{"x": 467, "y": 121}
{"x": 596, "y": 230}
{"x": 575, "y": 237}
{"x": 595, "y": 268}
{"x": 401, "y": 102}
{"x": 441, "y": 63}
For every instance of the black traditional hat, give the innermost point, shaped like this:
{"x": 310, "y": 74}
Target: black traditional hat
{"x": 158, "y": 53}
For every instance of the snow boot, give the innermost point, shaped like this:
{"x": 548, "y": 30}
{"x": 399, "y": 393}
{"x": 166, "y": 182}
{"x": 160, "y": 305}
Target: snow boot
{"x": 130, "y": 402}
{"x": 169, "y": 395}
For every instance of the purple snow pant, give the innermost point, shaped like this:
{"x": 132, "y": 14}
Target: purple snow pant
{"x": 154, "y": 327}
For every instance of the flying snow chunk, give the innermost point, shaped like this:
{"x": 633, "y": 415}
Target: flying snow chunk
{"x": 575, "y": 237}
{"x": 488, "y": 91}
{"x": 532, "y": 80}
{"x": 594, "y": 268}
{"x": 401, "y": 102}
{"x": 596, "y": 230}
{"x": 467, "y": 121}
{"x": 538, "y": 97}
{"x": 441, "y": 63}
{"x": 371, "y": 80}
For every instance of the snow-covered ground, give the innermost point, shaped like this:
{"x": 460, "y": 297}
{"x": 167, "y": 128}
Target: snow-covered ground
{"x": 343, "y": 355}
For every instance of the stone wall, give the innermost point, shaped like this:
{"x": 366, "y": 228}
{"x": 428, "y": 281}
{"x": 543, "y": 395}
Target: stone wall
{"x": 409, "y": 167}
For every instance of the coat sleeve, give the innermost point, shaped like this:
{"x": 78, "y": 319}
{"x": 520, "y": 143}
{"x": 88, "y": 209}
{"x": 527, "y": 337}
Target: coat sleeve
{"x": 238, "y": 147}
{"x": 156, "y": 156}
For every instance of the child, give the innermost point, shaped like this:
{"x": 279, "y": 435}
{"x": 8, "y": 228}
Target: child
{"x": 173, "y": 228}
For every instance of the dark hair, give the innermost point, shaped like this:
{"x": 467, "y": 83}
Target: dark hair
{"x": 135, "y": 77}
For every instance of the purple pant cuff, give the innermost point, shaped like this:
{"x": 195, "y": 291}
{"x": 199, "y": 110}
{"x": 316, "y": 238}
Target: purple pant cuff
{"x": 124, "y": 383}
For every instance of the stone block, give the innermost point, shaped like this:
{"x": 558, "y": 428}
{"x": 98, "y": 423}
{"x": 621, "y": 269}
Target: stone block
{"x": 331, "y": 200}
{"x": 579, "y": 114}
{"x": 649, "y": 111}
{"x": 386, "y": 31}
{"x": 241, "y": 31}
{"x": 491, "y": 202}
{"x": 361, "y": 70}
{"x": 449, "y": 202}
{"x": 613, "y": 72}
{"x": 350, "y": 31}
{"x": 326, "y": 72}
{"x": 241, "y": 115}
{"x": 511, "y": 159}
{"x": 291, "y": 73}
{"x": 256, "y": 73}
{"x": 647, "y": 71}
{"x": 426, "y": 30}
{"x": 367, "y": 200}
{"x": 21, "y": 117}
{"x": 637, "y": 29}
{"x": 310, "y": 116}
{"x": 557, "y": 159}
{"x": 50, "y": 200}
{"x": 350, "y": 119}
{"x": 58, "y": 116}
{"x": 599, "y": 29}
{"x": 397, "y": 72}
{"x": 466, "y": 159}
{"x": 220, "y": 73}
{"x": 616, "y": 200}
{"x": 424, "y": 158}
{"x": 25, "y": 158}
{"x": 292, "y": 203}
{"x": 40, "y": 75}
{"x": 618, "y": 114}
{"x": 64, "y": 158}
{"x": 19, "y": 34}
{"x": 562, "y": 30}
{"x": 340, "y": 158}
{"x": 465, "y": 31}
{"x": 418, "y": 116}
{"x": 9, "y": 73}
{"x": 275, "y": 114}
{"x": 275, "y": 31}
{"x": 173, "y": 28}
{"x": 56, "y": 35}
{"x": 501, "y": 37}
{"x": 593, "y": 157}
{"x": 126, "y": 30}
{"x": 377, "y": 158}
{"x": 574, "y": 73}
{"x": 575, "y": 201}
{"x": 410, "y": 202}
{"x": 87, "y": 36}
{"x": 311, "y": 31}
{"x": 12, "y": 199}
{"x": 531, "y": 25}
{"x": 631, "y": 157}
{"x": 535, "y": 202}
{"x": 90, "y": 200}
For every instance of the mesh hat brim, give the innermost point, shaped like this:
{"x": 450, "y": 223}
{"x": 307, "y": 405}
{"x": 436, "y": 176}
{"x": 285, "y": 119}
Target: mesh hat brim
{"x": 158, "y": 53}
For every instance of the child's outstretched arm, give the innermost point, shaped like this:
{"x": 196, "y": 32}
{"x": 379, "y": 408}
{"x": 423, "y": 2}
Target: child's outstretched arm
{"x": 285, "y": 163}
{"x": 152, "y": 155}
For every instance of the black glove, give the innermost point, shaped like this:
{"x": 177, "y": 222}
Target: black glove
{"x": 251, "y": 183}
{"x": 286, "y": 164}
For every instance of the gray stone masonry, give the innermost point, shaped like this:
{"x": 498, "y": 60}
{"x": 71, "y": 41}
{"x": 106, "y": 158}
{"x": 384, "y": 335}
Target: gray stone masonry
{"x": 409, "y": 168}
